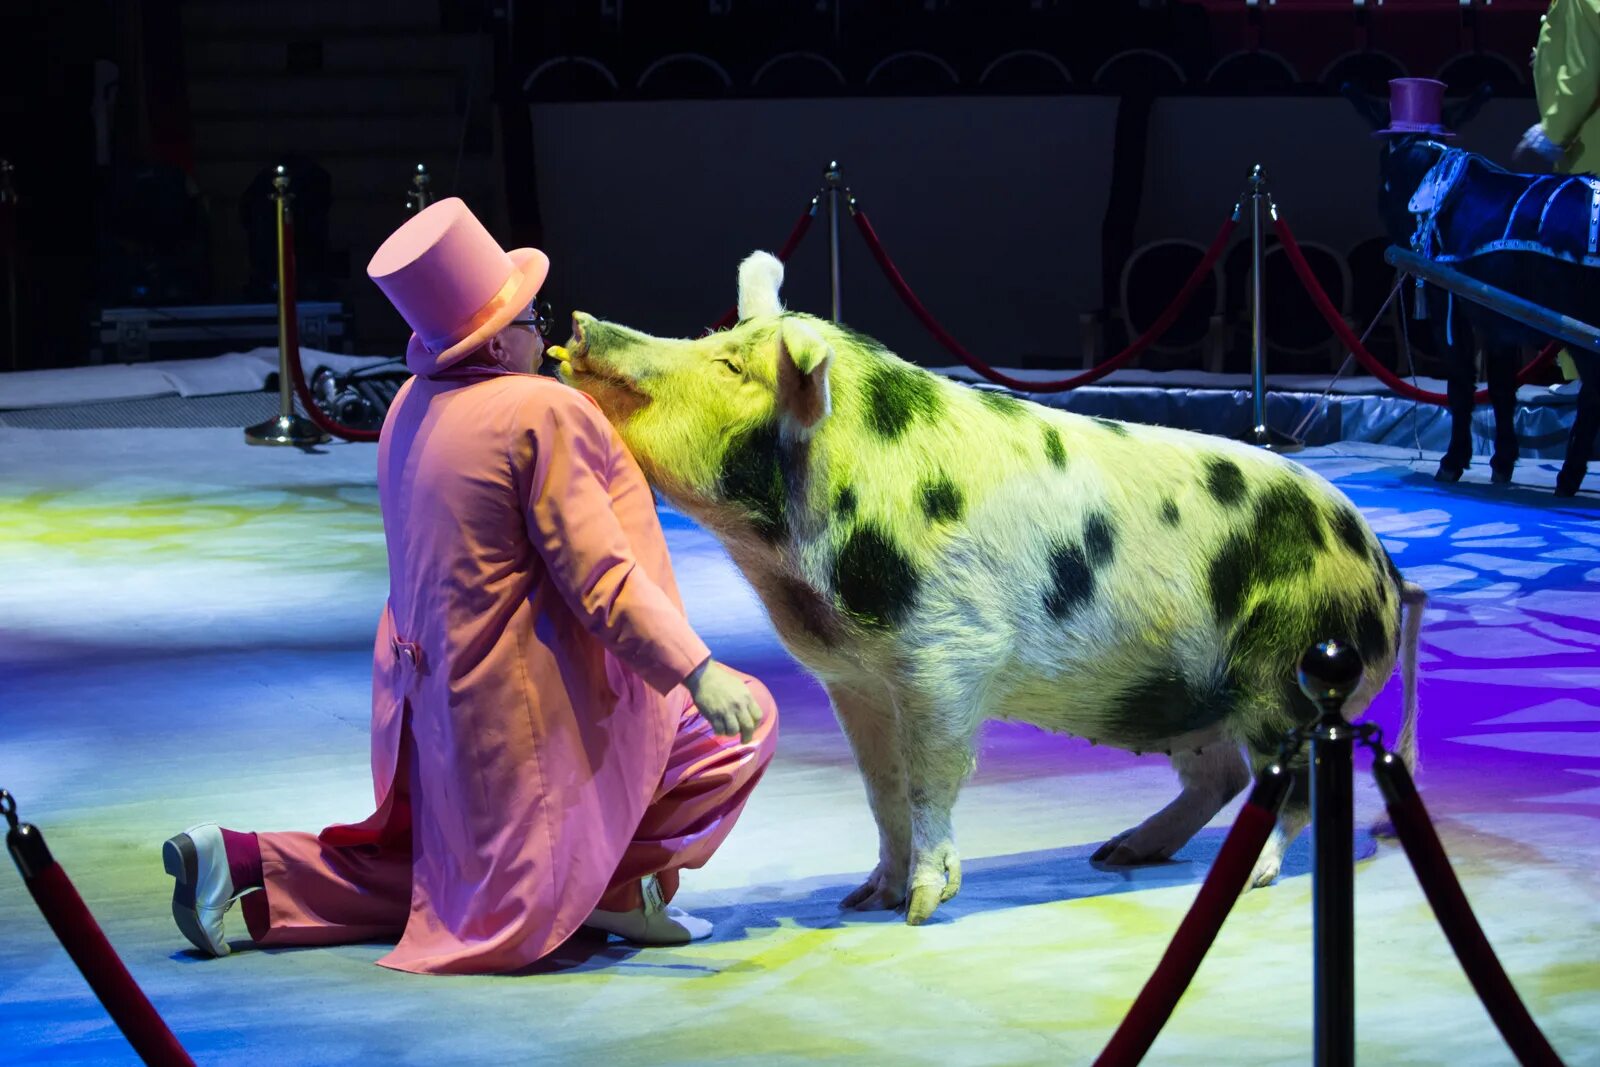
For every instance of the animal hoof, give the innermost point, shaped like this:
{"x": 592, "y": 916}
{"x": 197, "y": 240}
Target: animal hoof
{"x": 924, "y": 902}
{"x": 880, "y": 892}
{"x": 1500, "y": 476}
{"x": 1447, "y": 474}
{"x": 1107, "y": 852}
{"x": 1265, "y": 874}
{"x": 1566, "y": 487}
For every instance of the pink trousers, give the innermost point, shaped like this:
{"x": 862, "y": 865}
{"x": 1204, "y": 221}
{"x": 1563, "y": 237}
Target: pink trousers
{"x": 318, "y": 894}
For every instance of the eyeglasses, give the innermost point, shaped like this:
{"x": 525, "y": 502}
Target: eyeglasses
{"x": 540, "y": 321}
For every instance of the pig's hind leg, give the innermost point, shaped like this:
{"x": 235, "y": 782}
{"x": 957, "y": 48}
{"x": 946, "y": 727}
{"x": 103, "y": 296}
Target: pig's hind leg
{"x": 1211, "y": 776}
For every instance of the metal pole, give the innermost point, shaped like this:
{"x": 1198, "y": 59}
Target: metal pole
{"x": 1261, "y": 207}
{"x": 421, "y": 193}
{"x": 1328, "y": 674}
{"x": 280, "y": 197}
{"x": 287, "y": 428}
{"x": 1548, "y": 322}
{"x": 1258, "y": 318}
{"x": 833, "y": 178}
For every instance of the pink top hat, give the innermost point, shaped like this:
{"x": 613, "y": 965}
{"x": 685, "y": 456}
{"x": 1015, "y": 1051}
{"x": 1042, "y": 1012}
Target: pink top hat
{"x": 1415, "y": 105}
{"x": 452, "y": 282}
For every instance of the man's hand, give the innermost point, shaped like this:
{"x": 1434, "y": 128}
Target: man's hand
{"x": 1534, "y": 141}
{"x": 724, "y": 700}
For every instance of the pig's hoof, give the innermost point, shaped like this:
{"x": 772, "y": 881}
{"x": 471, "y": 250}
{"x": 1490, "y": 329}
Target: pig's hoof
{"x": 936, "y": 878}
{"x": 880, "y": 892}
{"x": 1266, "y": 871}
{"x": 924, "y": 902}
{"x": 1126, "y": 850}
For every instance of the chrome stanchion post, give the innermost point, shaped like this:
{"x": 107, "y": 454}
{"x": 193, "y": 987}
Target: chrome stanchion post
{"x": 833, "y": 185}
{"x": 287, "y": 428}
{"x": 1329, "y": 673}
{"x": 1261, "y": 206}
{"x": 420, "y": 194}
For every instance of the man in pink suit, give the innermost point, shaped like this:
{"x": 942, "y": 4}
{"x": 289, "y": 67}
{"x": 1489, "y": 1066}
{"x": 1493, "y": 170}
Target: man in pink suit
{"x": 551, "y": 742}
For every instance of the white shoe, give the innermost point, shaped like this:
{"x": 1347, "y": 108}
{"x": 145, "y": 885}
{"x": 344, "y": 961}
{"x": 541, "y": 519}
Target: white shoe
{"x": 203, "y": 889}
{"x": 655, "y": 923}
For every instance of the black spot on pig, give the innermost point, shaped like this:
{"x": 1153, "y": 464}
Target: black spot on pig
{"x": 1351, "y": 530}
{"x": 1099, "y": 540}
{"x": 1169, "y": 512}
{"x": 1281, "y": 539}
{"x": 1161, "y": 706}
{"x": 845, "y": 505}
{"x": 1232, "y": 571}
{"x": 1001, "y": 403}
{"x": 1053, "y": 448}
{"x": 1115, "y": 427}
{"x": 1071, "y": 580}
{"x": 1393, "y": 571}
{"x": 752, "y": 477}
{"x": 875, "y": 581}
{"x": 897, "y": 396}
{"x": 1373, "y": 640}
{"x": 942, "y": 500}
{"x": 1225, "y": 482}
{"x": 809, "y": 609}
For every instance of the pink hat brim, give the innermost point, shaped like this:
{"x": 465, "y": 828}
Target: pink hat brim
{"x": 535, "y": 267}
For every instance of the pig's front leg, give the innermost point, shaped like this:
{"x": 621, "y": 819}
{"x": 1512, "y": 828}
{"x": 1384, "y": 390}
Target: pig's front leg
{"x": 937, "y": 747}
{"x": 869, "y": 725}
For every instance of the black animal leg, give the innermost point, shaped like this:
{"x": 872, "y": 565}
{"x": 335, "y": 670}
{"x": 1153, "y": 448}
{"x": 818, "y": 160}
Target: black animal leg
{"x": 1502, "y": 373}
{"x": 1580, "y": 442}
{"x": 1461, "y": 385}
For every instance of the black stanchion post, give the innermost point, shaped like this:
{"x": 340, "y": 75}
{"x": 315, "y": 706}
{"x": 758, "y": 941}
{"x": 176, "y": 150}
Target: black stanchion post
{"x": 833, "y": 182}
{"x": 1260, "y": 206}
{"x": 1329, "y": 673}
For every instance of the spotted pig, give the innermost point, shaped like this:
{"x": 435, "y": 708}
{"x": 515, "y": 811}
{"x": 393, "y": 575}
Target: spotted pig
{"x": 937, "y": 555}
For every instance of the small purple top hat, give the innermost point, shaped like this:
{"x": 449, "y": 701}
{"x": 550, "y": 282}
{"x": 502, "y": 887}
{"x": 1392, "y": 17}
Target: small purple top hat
{"x": 1414, "y": 107}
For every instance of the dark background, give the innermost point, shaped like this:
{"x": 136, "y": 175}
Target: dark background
{"x": 1014, "y": 155}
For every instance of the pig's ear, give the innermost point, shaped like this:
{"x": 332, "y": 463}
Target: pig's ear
{"x": 760, "y": 278}
{"x": 803, "y": 359}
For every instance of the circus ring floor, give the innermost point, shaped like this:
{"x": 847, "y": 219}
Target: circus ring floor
{"x": 187, "y": 624}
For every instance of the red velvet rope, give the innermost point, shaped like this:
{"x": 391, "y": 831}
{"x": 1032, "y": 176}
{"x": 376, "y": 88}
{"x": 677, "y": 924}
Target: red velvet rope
{"x": 104, "y": 970}
{"x": 1348, "y": 338}
{"x": 1144, "y": 340}
{"x": 1450, "y": 907}
{"x": 1194, "y": 937}
{"x": 297, "y": 374}
{"x": 790, "y": 243}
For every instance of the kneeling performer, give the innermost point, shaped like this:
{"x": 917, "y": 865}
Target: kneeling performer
{"x": 551, "y": 741}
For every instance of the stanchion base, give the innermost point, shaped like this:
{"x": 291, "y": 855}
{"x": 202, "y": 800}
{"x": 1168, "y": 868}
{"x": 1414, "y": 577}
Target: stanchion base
{"x": 285, "y": 430}
{"x": 1271, "y": 440}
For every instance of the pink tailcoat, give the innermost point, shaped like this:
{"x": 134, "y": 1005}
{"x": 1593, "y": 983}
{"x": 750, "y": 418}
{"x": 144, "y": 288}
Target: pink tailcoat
{"x": 532, "y": 635}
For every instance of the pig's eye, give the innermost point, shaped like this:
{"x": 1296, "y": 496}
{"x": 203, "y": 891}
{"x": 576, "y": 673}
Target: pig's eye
{"x": 730, "y": 365}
